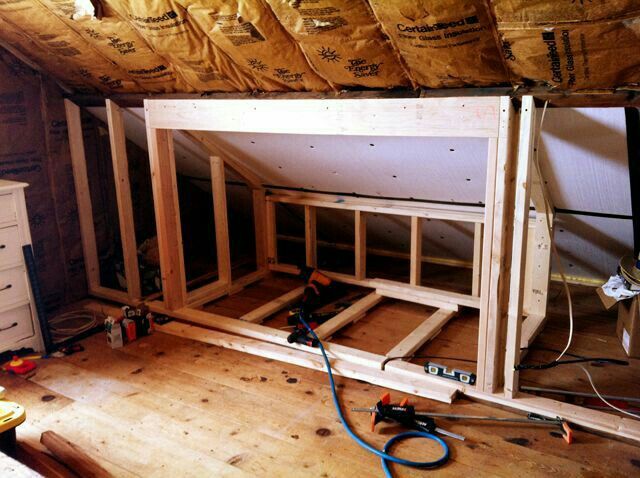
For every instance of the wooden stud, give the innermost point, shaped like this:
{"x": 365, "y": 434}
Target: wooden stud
{"x": 477, "y": 259}
{"x": 83, "y": 195}
{"x": 422, "y": 334}
{"x": 496, "y": 253}
{"x": 361, "y": 244}
{"x": 72, "y": 456}
{"x": 167, "y": 210}
{"x": 382, "y": 206}
{"x": 270, "y": 308}
{"x": 118, "y": 142}
{"x": 272, "y": 241}
{"x": 351, "y": 314}
{"x": 416, "y": 251}
{"x": 310, "y": 245}
{"x": 222, "y": 225}
{"x": 260, "y": 227}
{"x": 520, "y": 230}
{"x": 441, "y": 117}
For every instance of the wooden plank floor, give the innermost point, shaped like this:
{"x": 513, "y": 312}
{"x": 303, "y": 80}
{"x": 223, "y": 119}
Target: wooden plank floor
{"x": 166, "y": 406}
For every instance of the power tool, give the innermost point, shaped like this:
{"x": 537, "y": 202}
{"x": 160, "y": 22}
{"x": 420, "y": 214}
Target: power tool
{"x": 319, "y": 291}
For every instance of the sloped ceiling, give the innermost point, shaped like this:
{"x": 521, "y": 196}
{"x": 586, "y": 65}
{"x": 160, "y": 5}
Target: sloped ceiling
{"x": 187, "y": 46}
{"x": 583, "y": 158}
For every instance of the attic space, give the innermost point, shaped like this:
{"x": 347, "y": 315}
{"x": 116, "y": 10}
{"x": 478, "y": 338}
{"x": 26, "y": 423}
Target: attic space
{"x": 319, "y": 238}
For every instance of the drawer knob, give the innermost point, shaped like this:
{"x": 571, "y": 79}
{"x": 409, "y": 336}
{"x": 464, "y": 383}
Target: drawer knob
{"x": 8, "y": 286}
{"x": 15, "y": 324}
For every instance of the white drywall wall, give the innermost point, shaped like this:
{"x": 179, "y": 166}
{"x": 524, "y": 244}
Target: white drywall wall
{"x": 582, "y": 153}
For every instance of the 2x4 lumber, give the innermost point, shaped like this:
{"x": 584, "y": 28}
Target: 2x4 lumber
{"x": 270, "y": 230}
{"x": 496, "y": 250}
{"x": 113, "y": 295}
{"x": 422, "y": 334}
{"x": 383, "y": 206}
{"x": 415, "y": 276}
{"x": 222, "y": 224}
{"x": 302, "y": 358}
{"x": 167, "y": 212}
{"x": 231, "y": 158}
{"x": 310, "y": 239}
{"x": 360, "y": 247}
{"x": 207, "y": 293}
{"x": 441, "y": 299}
{"x": 531, "y": 327}
{"x": 519, "y": 245}
{"x": 475, "y": 117}
{"x": 73, "y": 456}
{"x": 260, "y": 227}
{"x": 477, "y": 259}
{"x": 595, "y": 420}
{"x": 83, "y": 195}
{"x": 118, "y": 143}
{"x": 351, "y": 314}
{"x": 270, "y": 308}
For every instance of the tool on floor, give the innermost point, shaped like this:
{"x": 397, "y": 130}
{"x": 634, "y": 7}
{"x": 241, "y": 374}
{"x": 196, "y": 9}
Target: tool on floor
{"x": 433, "y": 368}
{"x": 408, "y": 416}
{"x": 319, "y": 291}
{"x": 384, "y": 455}
{"x": 405, "y": 415}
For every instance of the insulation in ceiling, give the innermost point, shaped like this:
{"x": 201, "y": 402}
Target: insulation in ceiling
{"x": 188, "y": 46}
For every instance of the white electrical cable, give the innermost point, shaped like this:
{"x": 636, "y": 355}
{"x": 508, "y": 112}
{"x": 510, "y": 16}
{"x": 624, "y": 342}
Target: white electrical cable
{"x": 64, "y": 326}
{"x": 602, "y": 398}
{"x": 562, "y": 271}
{"x": 554, "y": 249}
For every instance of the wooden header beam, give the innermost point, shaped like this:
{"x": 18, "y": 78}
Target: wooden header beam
{"x": 425, "y": 117}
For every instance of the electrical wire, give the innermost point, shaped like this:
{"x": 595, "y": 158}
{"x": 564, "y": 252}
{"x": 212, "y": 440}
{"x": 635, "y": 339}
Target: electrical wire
{"x": 384, "y": 453}
{"x": 65, "y": 325}
{"x": 603, "y": 399}
{"x": 554, "y": 248}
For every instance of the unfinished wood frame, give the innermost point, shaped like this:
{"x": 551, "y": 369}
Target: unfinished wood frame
{"x": 497, "y": 239}
{"x": 85, "y": 209}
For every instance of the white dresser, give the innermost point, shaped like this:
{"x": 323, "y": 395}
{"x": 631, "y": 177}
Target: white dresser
{"x": 19, "y": 325}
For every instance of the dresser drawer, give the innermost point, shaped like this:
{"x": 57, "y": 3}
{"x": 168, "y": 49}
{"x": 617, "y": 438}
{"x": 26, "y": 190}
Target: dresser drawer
{"x": 13, "y": 286}
{"x": 7, "y": 208}
{"x": 10, "y": 250}
{"x": 15, "y": 324}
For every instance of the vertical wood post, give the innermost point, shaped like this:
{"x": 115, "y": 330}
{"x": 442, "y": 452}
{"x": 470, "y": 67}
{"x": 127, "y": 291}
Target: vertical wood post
{"x": 83, "y": 195}
{"x": 272, "y": 241}
{"x": 260, "y": 226}
{"x": 494, "y": 286}
{"x": 167, "y": 210}
{"x": 478, "y": 229}
{"x": 310, "y": 242}
{"x": 219, "y": 188}
{"x": 117, "y": 140}
{"x": 519, "y": 250}
{"x": 416, "y": 251}
{"x": 361, "y": 244}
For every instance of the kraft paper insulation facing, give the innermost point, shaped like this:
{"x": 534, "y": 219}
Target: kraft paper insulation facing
{"x": 316, "y": 45}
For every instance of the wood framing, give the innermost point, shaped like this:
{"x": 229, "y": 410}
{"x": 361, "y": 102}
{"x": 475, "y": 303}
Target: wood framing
{"x": 118, "y": 143}
{"x": 222, "y": 225}
{"x": 422, "y": 334}
{"x": 85, "y": 208}
{"x": 500, "y": 242}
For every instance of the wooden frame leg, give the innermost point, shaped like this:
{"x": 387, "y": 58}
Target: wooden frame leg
{"x": 167, "y": 210}
{"x": 519, "y": 247}
{"x": 478, "y": 231}
{"x": 83, "y": 196}
{"x": 361, "y": 244}
{"x": 120, "y": 162}
{"x": 496, "y": 253}
{"x": 415, "y": 276}
{"x": 222, "y": 224}
{"x": 310, "y": 241}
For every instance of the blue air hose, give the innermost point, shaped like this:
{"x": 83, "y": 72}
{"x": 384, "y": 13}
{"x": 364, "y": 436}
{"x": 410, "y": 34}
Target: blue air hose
{"x": 383, "y": 454}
